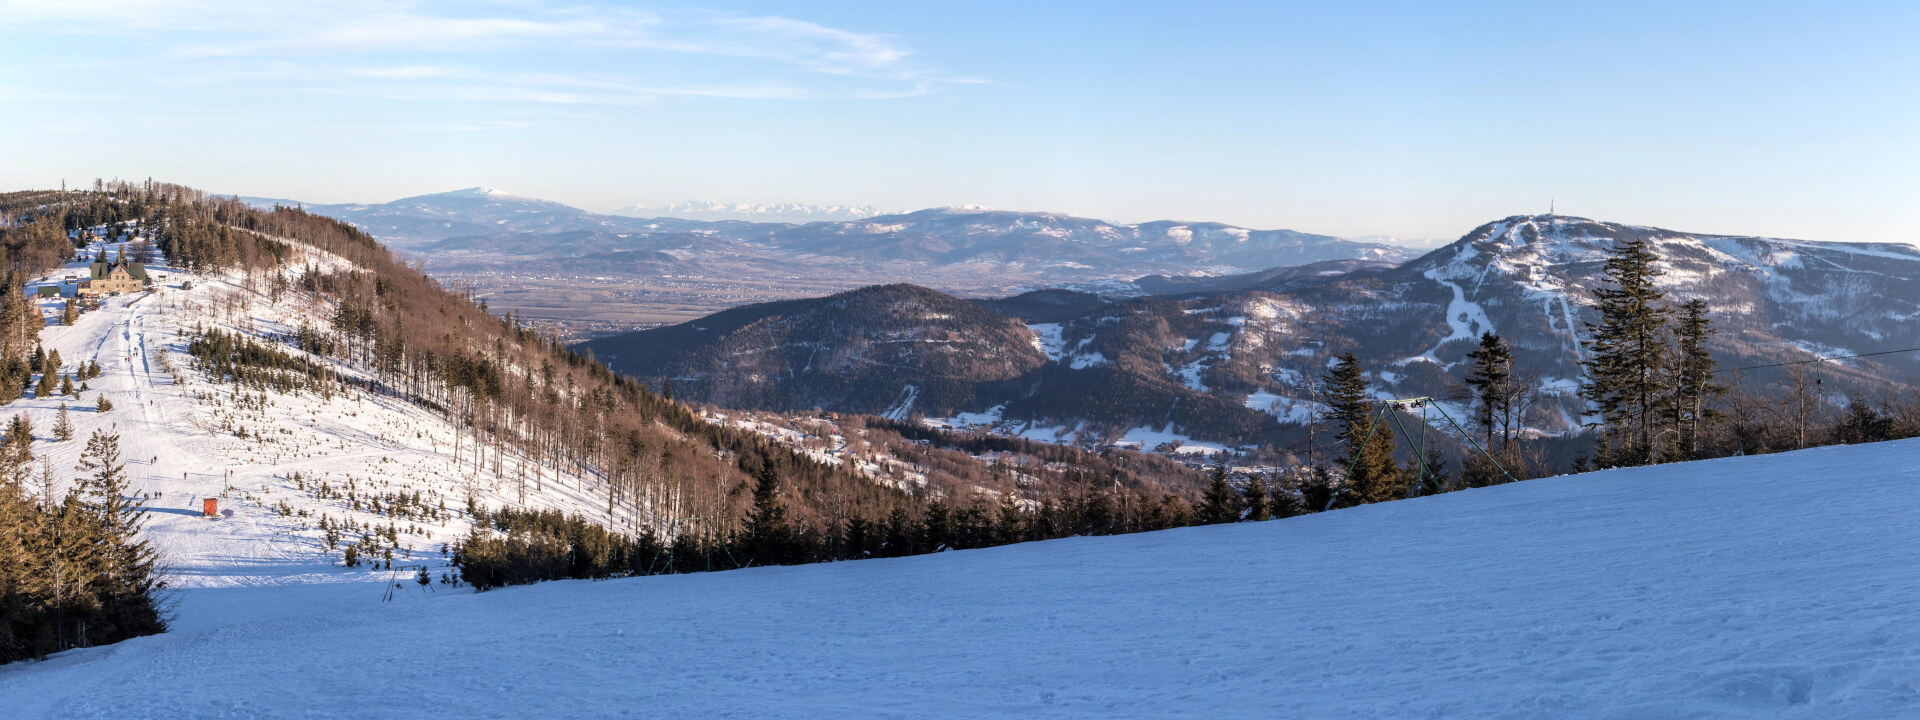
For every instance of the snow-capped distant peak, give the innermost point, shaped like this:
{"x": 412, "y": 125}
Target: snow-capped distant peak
{"x": 494, "y": 193}
{"x": 1417, "y": 243}
{"x": 487, "y": 193}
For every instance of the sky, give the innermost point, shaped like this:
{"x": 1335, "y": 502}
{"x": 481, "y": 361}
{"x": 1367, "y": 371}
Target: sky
{"x": 1415, "y": 119}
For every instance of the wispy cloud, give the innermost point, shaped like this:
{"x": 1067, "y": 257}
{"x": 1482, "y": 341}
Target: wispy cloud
{"x": 803, "y": 43}
{"x": 508, "y": 52}
{"x": 12, "y": 92}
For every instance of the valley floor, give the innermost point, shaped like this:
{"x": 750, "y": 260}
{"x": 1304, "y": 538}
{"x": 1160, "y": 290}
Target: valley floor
{"x": 1777, "y": 586}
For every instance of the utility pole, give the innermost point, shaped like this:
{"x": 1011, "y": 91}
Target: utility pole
{"x": 1803, "y": 415}
{"x": 1313, "y": 411}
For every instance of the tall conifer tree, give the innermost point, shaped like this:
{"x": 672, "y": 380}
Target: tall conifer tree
{"x": 1219, "y": 503}
{"x": 1626, "y": 356}
{"x": 1258, "y": 509}
{"x": 1492, "y": 381}
{"x": 1693, "y": 385}
{"x": 1372, "y": 474}
{"x": 128, "y": 577}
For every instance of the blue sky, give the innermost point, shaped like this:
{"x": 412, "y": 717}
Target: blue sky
{"x": 1408, "y": 119}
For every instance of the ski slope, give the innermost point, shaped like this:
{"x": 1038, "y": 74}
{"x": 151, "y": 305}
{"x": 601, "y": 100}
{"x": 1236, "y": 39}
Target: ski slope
{"x": 1779, "y": 586}
{"x": 180, "y": 436}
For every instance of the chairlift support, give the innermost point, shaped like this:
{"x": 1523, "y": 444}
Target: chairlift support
{"x": 1388, "y": 411}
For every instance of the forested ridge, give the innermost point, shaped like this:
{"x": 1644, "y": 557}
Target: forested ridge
{"x": 531, "y": 409}
{"x": 853, "y": 352}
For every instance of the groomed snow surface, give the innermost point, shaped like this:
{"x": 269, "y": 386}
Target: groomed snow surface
{"x": 1775, "y": 586}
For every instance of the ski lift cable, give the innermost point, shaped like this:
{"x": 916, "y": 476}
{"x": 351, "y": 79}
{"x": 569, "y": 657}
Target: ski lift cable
{"x": 1822, "y": 358}
{"x": 1387, "y": 411}
{"x": 1572, "y": 384}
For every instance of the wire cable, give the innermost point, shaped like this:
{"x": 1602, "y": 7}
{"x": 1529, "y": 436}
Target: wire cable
{"x": 1822, "y": 358}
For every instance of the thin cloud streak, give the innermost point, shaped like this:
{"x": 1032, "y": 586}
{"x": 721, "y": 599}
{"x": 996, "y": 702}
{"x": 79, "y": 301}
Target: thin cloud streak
{"x": 190, "y": 32}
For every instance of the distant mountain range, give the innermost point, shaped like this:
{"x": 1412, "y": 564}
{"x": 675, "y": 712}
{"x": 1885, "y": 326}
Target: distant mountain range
{"x": 1051, "y": 248}
{"x": 1230, "y": 360}
{"x": 753, "y": 212}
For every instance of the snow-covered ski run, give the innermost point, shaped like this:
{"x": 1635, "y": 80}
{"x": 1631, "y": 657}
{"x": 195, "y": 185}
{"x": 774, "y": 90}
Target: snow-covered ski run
{"x": 1773, "y": 586}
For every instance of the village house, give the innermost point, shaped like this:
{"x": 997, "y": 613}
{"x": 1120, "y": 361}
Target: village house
{"x": 114, "y": 278}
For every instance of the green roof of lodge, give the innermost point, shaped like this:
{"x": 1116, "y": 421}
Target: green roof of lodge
{"x": 100, "y": 270}
{"x": 49, "y": 291}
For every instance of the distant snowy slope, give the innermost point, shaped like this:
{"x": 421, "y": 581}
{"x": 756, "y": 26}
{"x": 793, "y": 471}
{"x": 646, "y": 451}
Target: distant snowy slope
{"x": 1068, "y": 249}
{"x": 457, "y": 213}
{"x": 1767, "y": 587}
{"x": 798, "y": 213}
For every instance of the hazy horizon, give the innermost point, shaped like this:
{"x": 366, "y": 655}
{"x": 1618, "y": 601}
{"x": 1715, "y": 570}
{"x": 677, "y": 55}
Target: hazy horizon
{"x": 1396, "y": 119}
{"x": 1426, "y": 242}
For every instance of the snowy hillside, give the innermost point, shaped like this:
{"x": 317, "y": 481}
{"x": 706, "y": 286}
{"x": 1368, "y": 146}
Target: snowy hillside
{"x": 1535, "y": 273}
{"x": 276, "y": 463}
{"x": 1737, "y": 588}
{"x": 1253, "y": 345}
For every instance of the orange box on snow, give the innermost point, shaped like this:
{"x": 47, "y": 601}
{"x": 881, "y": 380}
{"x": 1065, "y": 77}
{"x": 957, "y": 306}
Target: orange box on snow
{"x": 211, "y": 507}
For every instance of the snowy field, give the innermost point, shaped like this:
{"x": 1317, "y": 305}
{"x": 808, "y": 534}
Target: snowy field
{"x": 1778, "y": 586}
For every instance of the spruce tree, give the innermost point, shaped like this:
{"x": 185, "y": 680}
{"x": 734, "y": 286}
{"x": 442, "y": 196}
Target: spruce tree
{"x": 20, "y": 434}
{"x": 1011, "y": 528}
{"x": 1434, "y": 474}
{"x": 22, "y": 571}
{"x": 901, "y": 535}
{"x": 129, "y": 577}
{"x": 1349, "y": 405}
{"x": 74, "y": 562}
{"x": 1477, "y": 470}
{"x": 1693, "y": 385}
{"x": 768, "y": 538}
{"x": 1317, "y": 490}
{"x": 1863, "y": 423}
{"x": 11, "y": 370}
{"x": 1626, "y": 356}
{"x": 20, "y": 321}
{"x": 104, "y": 405}
{"x": 62, "y": 427}
{"x": 936, "y": 533}
{"x": 1219, "y": 503}
{"x": 1258, "y": 509}
{"x": 1491, "y": 379}
{"x": 1372, "y": 474}
{"x": 867, "y": 538}
{"x": 1284, "y": 498}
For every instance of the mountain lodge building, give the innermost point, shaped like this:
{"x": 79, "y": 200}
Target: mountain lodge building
{"x": 115, "y": 278}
